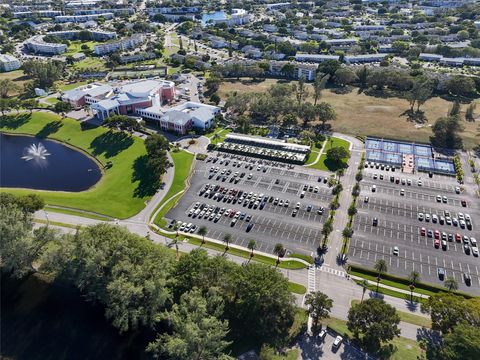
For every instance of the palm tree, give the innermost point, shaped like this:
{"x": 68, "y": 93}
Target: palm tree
{"x": 252, "y": 245}
{"x": 414, "y": 277}
{"x": 215, "y": 137}
{"x": 278, "y": 250}
{"x": 202, "y": 232}
{"x": 381, "y": 267}
{"x": 364, "y": 285}
{"x": 451, "y": 284}
{"x": 226, "y": 239}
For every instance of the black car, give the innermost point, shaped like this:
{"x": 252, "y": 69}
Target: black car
{"x": 467, "y": 278}
{"x": 466, "y": 248}
{"x": 375, "y": 221}
{"x": 249, "y": 227}
{"x": 441, "y": 273}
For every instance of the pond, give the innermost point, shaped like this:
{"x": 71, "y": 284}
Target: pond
{"x": 41, "y": 164}
{"x": 217, "y": 15}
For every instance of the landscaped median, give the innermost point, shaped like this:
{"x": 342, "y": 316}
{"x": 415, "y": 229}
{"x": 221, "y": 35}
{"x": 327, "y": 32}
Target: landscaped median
{"x": 322, "y": 163}
{"x": 182, "y": 162}
{"x": 120, "y": 193}
{"x": 421, "y": 289}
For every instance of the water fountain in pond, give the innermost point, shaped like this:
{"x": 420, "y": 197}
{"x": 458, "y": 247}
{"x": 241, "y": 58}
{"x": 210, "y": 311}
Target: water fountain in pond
{"x": 37, "y": 153}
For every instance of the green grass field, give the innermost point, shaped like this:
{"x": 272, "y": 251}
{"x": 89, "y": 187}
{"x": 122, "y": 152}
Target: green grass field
{"x": 122, "y": 190}
{"x": 90, "y": 63}
{"x": 296, "y": 288}
{"x": 322, "y": 163}
{"x": 76, "y": 46}
{"x": 222, "y": 133}
{"x": 70, "y": 86}
{"x": 182, "y": 162}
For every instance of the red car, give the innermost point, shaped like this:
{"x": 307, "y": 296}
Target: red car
{"x": 437, "y": 234}
{"x": 464, "y": 203}
{"x": 437, "y": 243}
{"x": 458, "y": 237}
{"x": 423, "y": 231}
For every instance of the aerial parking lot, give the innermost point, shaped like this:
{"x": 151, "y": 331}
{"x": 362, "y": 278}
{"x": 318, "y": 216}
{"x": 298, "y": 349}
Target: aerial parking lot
{"x": 418, "y": 223}
{"x": 251, "y": 198}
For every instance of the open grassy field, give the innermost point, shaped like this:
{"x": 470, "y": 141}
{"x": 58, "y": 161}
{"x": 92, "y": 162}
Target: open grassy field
{"x": 91, "y": 64}
{"x": 182, "y": 162}
{"x": 122, "y": 190}
{"x": 18, "y": 78}
{"x": 76, "y": 46}
{"x": 360, "y": 114}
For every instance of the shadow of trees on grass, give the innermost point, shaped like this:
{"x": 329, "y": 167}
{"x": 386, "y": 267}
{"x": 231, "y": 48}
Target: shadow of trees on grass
{"x": 149, "y": 182}
{"x": 49, "y": 129}
{"x": 13, "y": 121}
{"x": 111, "y": 143}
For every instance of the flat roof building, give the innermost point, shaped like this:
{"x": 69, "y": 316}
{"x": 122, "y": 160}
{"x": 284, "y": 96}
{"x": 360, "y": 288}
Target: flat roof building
{"x": 9, "y": 63}
{"x": 120, "y": 45}
{"x": 37, "y": 45}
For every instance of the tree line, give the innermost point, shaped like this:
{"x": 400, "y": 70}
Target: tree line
{"x": 196, "y": 306}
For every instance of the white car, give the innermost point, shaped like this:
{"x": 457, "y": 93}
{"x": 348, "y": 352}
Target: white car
{"x": 374, "y": 188}
{"x": 427, "y": 217}
{"x": 395, "y": 250}
{"x": 420, "y": 216}
{"x": 337, "y": 342}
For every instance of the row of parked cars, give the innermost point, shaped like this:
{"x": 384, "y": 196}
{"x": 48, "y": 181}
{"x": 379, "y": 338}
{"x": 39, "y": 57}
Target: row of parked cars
{"x": 440, "y": 238}
{"x": 462, "y": 220}
{"x": 214, "y": 213}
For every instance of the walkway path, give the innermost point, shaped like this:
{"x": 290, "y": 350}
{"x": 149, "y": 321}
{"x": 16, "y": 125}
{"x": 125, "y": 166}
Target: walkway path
{"x": 320, "y": 152}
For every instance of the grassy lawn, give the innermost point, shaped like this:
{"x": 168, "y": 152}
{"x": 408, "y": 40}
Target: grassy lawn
{"x": 222, "y": 133}
{"x": 90, "y": 63}
{"x": 296, "y": 288}
{"x": 306, "y": 258}
{"x": 52, "y": 100}
{"x": 18, "y": 78}
{"x": 122, "y": 190}
{"x": 70, "y": 86}
{"x": 406, "y": 349}
{"x": 323, "y": 163}
{"x": 360, "y": 114}
{"x": 76, "y": 46}
{"x": 182, "y": 162}
{"x": 409, "y": 317}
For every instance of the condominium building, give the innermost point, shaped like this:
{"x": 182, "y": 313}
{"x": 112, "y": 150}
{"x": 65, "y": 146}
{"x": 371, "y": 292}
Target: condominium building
{"x": 315, "y": 58}
{"x": 37, "y": 45}
{"x": 122, "y": 11}
{"x": 364, "y": 58}
{"x": 83, "y": 18}
{"x": 120, "y": 45}
{"x": 36, "y": 13}
{"x": 9, "y": 63}
{"x": 97, "y": 35}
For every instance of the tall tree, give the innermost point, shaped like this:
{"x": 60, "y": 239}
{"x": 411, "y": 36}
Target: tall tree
{"x": 226, "y": 239}
{"x": 414, "y": 278}
{"x": 197, "y": 331}
{"x": 324, "y": 112}
{"x": 345, "y": 76}
{"x": 451, "y": 284}
{"x": 318, "y": 306}
{"x": 364, "y": 285}
{"x": 278, "y": 250}
{"x": 157, "y": 146}
{"x": 363, "y": 74}
{"x": 301, "y": 91}
{"x": 319, "y": 85}
{"x": 62, "y": 108}
{"x": 381, "y": 268}
{"x": 470, "y": 112}
{"x": 337, "y": 155}
{"x": 446, "y": 133}
{"x": 7, "y": 86}
{"x": 252, "y": 245}
{"x": 420, "y": 92}
{"x": 374, "y": 322}
{"x": 19, "y": 248}
{"x": 462, "y": 343}
{"x": 202, "y": 231}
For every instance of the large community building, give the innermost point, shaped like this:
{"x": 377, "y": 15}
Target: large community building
{"x": 145, "y": 98}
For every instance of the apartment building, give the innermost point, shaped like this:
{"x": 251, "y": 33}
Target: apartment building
{"x": 364, "y": 58}
{"x": 9, "y": 63}
{"x": 315, "y": 58}
{"x": 36, "y": 13}
{"x": 83, "y": 18}
{"x": 120, "y": 45}
{"x": 97, "y": 35}
{"x": 37, "y": 45}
